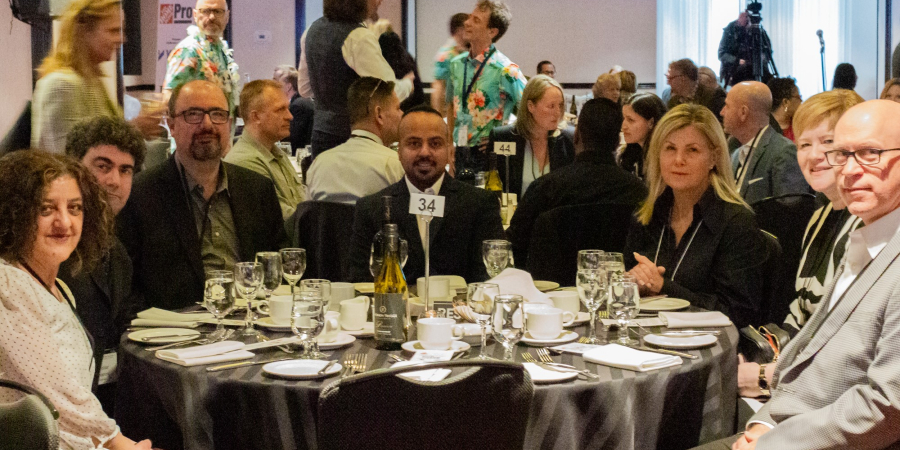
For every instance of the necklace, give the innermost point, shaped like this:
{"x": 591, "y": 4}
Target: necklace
{"x": 35, "y": 275}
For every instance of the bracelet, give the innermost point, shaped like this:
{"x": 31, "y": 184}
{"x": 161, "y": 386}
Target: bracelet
{"x": 763, "y": 384}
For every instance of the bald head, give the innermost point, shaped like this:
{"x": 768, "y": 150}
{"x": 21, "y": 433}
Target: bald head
{"x": 870, "y": 191}
{"x": 746, "y": 110}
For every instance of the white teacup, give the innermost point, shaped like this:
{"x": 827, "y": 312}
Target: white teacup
{"x": 353, "y": 313}
{"x": 339, "y": 293}
{"x": 330, "y": 330}
{"x": 547, "y": 323}
{"x": 566, "y": 301}
{"x": 278, "y": 307}
{"x": 437, "y": 333}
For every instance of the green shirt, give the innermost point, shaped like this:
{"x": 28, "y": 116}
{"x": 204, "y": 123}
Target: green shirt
{"x": 272, "y": 164}
{"x": 215, "y": 223}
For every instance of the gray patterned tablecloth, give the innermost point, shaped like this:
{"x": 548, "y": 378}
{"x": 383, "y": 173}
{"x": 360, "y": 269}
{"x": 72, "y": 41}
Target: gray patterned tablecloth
{"x": 190, "y": 408}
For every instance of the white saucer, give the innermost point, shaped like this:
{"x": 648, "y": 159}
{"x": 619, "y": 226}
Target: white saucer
{"x": 342, "y": 339}
{"x": 565, "y": 336}
{"x": 545, "y": 286}
{"x": 664, "y": 304}
{"x": 180, "y": 335}
{"x": 581, "y": 319}
{"x": 414, "y": 346}
{"x": 267, "y": 322}
{"x": 364, "y": 288}
{"x": 300, "y": 369}
{"x": 702, "y": 340}
{"x": 540, "y": 375}
{"x": 368, "y": 330}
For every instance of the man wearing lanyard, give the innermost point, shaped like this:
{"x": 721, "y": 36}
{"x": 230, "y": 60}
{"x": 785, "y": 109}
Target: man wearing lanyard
{"x": 484, "y": 85}
{"x": 765, "y": 164}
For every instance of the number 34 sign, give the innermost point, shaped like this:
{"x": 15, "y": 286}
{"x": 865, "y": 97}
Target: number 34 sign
{"x": 426, "y": 205}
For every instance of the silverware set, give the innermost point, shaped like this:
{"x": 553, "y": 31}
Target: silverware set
{"x": 643, "y": 348}
{"x": 546, "y": 361}
{"x": 195, "y": 341}
{"x": 354, "y": 363}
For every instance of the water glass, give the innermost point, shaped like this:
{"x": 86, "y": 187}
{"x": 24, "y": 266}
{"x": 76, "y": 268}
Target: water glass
{"x": 496, "y": 255}
{"x": 323, "y": 288}
{"x": 293, "y": 264}
{"x": 218, "y": 297}
{"x": 508, "y": 322}
{"x": 624, "y": 305}
{"x": 589, "y": 259}
{"x": 248, "y": 277}
{"x": 480, "y": 301}
{"x": 307, "y": 319}
{"x": 271, "y": 263}
{"x": 592, "y": 289}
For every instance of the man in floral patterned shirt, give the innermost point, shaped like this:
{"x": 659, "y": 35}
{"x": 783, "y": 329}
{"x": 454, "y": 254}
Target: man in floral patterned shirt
{"x": 455, "y": 45}
{"x": 481, "y": 104}
{"x": 204, "y": 55}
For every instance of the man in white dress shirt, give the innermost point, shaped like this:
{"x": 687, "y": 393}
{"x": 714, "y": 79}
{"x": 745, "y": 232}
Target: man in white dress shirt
{"x": 363, "y": 165}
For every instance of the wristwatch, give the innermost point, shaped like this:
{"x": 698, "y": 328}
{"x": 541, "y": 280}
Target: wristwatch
{"x": 763, "y": 384}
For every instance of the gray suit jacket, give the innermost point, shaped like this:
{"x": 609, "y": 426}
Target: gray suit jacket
{"x": 773, "y": 169}
{"x": 839, "y": 386}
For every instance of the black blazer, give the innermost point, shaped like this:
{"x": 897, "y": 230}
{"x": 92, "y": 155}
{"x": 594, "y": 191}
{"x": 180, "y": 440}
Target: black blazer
{"x": 157, "y": 228}
{"x": 561, "y": 148}
{"x": 302, "y": 110}
{"x": 471, "y": 215}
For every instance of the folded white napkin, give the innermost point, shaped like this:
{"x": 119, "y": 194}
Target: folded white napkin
{"x": 615, "y": 355}
{"x": 163, "y": 323}
{"x": 172, "y": 316}
{"x": 206, "y": 354}
{"x": 423, "y": 375}
{"x": 515, "y": 281}
{"x": 695, "y": 319}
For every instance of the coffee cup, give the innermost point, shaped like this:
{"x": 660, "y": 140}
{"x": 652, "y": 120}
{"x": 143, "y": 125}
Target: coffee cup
{"x": 353, "y": 313}
{"x": 547, "y": 323}
{"x": 339, "y": 293}
{"x": 330, "y": 329}
{"x": 566, "y": 301}
{"x": 437, "y": 333}
{"x": 278, "y": 308}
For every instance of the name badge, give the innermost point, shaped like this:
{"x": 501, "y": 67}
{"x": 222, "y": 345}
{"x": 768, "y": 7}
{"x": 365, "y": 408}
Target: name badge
{"x": 426, "y": 205}
{"x": 505, "y": 148}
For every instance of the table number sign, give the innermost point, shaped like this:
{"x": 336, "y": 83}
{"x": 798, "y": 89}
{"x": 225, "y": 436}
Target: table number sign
{"x": 426, "y": 205}
{"x": 505, "y": 148}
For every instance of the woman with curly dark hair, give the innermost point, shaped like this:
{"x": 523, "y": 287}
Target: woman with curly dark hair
{"x": 52, "y": 209}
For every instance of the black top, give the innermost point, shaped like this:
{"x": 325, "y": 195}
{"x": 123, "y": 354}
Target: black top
{"x": 560, "y": 148}
{"x": 722, "y": 256}
{"x": 402, "y": 63}
{"x": 303, "y": 110}
{"x": 632, "y": 160}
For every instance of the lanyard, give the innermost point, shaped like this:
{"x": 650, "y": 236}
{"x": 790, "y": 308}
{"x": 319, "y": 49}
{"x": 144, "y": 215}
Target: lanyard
{"x": 468, "y": 90}
{"x": 690, "y": 241}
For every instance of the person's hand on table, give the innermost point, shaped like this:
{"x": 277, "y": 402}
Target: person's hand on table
{"x": 649, "y": 277}
{"x": 747, "y": 441}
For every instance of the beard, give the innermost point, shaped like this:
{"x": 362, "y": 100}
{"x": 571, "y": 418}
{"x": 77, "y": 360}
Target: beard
{"x": 206, "y": 151}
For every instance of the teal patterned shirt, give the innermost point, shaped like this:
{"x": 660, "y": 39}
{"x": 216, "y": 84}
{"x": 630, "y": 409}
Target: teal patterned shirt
{"x": 202, "y": 57}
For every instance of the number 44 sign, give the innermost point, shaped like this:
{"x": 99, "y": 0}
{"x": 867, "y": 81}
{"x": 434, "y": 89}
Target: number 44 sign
{"x": 505, "y": 148}
{"x": 426, "y": 205}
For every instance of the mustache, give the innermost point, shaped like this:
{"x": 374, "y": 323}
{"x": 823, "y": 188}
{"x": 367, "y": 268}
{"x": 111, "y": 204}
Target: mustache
{"x": 426, "y": 159}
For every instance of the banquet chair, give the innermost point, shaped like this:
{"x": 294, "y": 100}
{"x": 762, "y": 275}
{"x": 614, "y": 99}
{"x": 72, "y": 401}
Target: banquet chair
{"x": 778, "y": 288}
{"x": 558, "y": 235}
{"x": 325, "y": 230}
{"x": 29, "y": 423}
{"x": 483, "y": 404}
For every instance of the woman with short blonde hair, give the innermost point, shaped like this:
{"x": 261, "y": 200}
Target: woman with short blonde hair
{"x": 891, "y": 90}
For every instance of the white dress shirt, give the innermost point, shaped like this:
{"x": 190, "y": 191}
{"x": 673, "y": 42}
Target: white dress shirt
{"x": 433, "y": 190}
{"x": 359, "y": 167}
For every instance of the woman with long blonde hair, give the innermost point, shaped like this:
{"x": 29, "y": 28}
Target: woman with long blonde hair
{"x": 695, "y": 238}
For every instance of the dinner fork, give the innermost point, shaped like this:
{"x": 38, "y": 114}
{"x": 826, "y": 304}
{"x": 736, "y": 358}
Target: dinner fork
{"x": 545, "y": 357}
{"x": 359, "y": 365}
{"x": 347, "y": 364}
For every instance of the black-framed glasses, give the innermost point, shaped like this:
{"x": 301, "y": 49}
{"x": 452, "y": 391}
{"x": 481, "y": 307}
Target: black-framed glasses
{"x": 212, "y": 12}
{"x": 863, "y": 156}
{"x": 195, "y": 116}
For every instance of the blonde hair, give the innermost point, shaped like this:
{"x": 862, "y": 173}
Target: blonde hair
{"x": 825, "y": 106}
{"x": 534, "y": 92}
{"x": 81, "y": 17}
{"x": 704, "y": 121}
{"x": 887, "y": 86}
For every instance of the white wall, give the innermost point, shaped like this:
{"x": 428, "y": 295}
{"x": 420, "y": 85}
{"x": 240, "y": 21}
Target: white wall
{"x": 15, "y": 77}
{"x": 252, "y": 18}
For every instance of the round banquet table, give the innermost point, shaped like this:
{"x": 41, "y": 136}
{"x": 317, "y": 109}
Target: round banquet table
{"x": 189, "y": 408}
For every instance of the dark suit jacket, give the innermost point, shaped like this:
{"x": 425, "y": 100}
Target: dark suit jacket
{"x": 471, "y": 215}
{"x": 303, "y": 110}
{"x": 157, "y": 228}
{"x": 773, "y": 169}
{"x": 561, "y": 148}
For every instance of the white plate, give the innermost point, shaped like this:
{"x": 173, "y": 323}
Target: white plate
{"x": 540, "y": 375}
{"x": 364, "y": 288}
{"x": 300, "y": 369}
{"x": 664, "y": 304}
{"x": 545, "y": 286}
{"x": 368, "y": 330}
{"x": 181, "y": 335}
{"x": 414, "y": 346}
{"x": 342, "y": 339}
{"x": 565, "y": 336}
{"x": 583, "y": 317}
{"x": 267, "y": 322}
{"x": 681, "y": 342}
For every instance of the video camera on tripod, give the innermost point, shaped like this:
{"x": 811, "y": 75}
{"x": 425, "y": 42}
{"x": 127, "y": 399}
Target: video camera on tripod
{"x": 760, "y": 46}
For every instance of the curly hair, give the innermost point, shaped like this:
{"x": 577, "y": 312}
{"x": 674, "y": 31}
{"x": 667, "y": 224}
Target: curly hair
{"x": 782, "y": 89}
{"x": 24, "y": 178}
{"x": 106, "y": 131}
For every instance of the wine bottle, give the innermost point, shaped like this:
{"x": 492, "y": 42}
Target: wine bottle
{"x": 492, "y": 178}
{"x": 574, "y": 108}
{"x": 391, "y": 312}
{"x": 376, "y": 256}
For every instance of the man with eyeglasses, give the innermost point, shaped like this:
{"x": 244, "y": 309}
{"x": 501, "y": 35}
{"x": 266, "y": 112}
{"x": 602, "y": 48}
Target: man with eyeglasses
{"x": 196, "y": 213}
{"x": 204, "y": 55}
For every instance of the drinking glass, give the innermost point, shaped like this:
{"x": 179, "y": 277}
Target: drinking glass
{"x": 613, "y": 264}
{"x": 218, "y": 297}
{"x": 624, "y": 305}
{"x": 592, "y": 284}
{"x": 293, "y": 264}
{"x": 323, "y": 287}
{"x": 480, "y": 300}
{"x": 377, "y": 259}
{"x": 508, "y": 322}
{"x": 589, "y": 259}
{"x": 271, "y": 263}
{"x": 248, "y": 277}
{"x": 307, "y": 319}
{"x": 496, "y": 255}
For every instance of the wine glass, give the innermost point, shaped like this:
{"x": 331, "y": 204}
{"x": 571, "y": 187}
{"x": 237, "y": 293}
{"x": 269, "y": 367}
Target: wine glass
{"x": 508, "y": 322}
{"x": 248, "y": 277}
{"x": 591, "y": 284}
{"x": 293, "y": 264}
{"x": 376, "y": 259}
{"x": 271, "y": 262}
{"x": 480, "y": 300}
{"x": 323, "y": 287}
{"x": 624, "y": 305}
{"x": 613, "y": 264}
{"x": 307, "y": 319}
{"x": 589, "y": 259}
{"x": 218, "y": 297}
{"x": 496, "y": 254}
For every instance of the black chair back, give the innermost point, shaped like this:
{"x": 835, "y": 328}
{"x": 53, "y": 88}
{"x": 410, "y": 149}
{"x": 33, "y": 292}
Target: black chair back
{"x": 19, "y": 136}
{"x": 779, "y": 285}
{"x": 487, "y": 406}
{"x": 325, "y": 230}
{"x": 28, "y": 423}
{"x": 560, "y": 233}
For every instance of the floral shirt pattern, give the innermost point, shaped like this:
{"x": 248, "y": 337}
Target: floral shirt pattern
{"x": 493, "y": 99}
{"x": 202, "y": 57}
{"x": 442, "y": 60}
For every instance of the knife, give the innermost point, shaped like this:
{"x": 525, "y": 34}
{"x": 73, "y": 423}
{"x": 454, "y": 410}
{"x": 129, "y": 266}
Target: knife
{"x": 560, "y": 367}
{"x": 327, "y": 366}
{"x": 663, "y": 351}
{"x": 688, "y": 333}
{"x": 242, "y": 364}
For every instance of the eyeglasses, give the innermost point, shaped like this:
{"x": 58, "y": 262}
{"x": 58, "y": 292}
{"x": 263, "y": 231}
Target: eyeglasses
{"x": 212, "y": 11}
{"x": 195, "y": 116}
{"x": 864, "y": 156}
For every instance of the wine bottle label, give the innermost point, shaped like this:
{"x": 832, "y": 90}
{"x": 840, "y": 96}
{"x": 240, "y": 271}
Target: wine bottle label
{"x": 390, "y": 317}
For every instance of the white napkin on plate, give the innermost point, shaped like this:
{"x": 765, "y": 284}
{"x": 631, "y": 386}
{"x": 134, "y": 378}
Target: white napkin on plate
{"x": 615, "y": 355}
{"x": 423, "y": 375}
{"x": 206, "y": 354}
{"x": 695, "y": 319}
{"x": 155, "y": 317}
{"x": 515, "y": 281}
